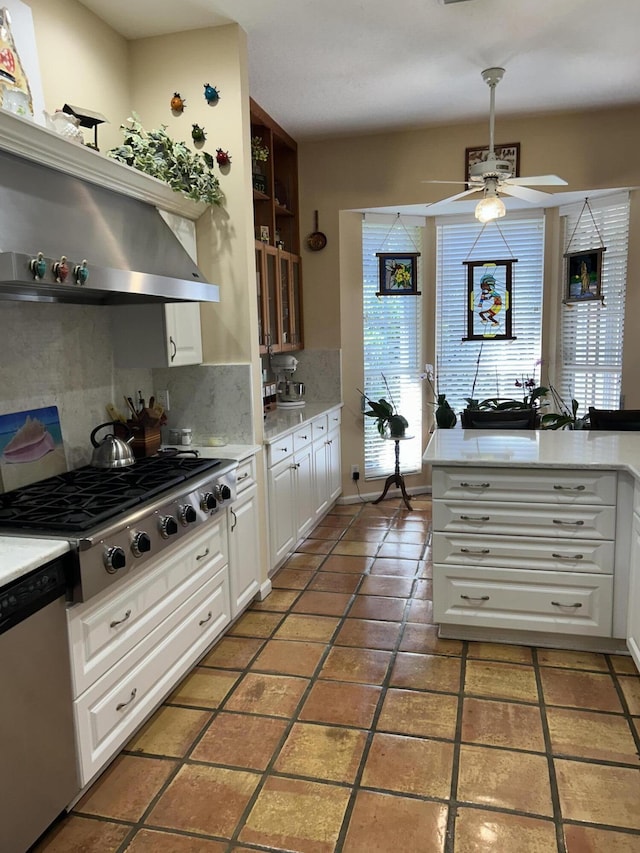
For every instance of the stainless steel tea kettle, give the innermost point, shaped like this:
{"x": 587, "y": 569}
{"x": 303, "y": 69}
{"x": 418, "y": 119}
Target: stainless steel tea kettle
{"x": 111, "y": 451}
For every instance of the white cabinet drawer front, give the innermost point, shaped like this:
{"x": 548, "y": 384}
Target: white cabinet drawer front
{"x": 516, "y": 552}
{"x": 334, "y": 419}
{"x": 302, "y": 437}
{"x": 320, "y": 427}
{"x": 102, "y": 631}
{"x": 110, "y": 711}
{"x": 526, "y": 484}
{"x": 279, "y": 450}
{"x": 520, "y": 519}
{"x": 246, "y": 474}
{"x": 535, "y": 601}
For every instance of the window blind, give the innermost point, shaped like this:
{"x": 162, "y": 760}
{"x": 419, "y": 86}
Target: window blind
{"x": 392, "y": 348}
{"x": 495, "y": 365}
{"x": 591, "y": 334}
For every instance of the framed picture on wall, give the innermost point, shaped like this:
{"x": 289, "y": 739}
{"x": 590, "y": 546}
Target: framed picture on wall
{"x": 20, "y": 83}
{"x": 509, "y": 152}
{"x": 489, "y": 305}
{"x": 584, "y": 276}
{"x": 398, "y": 274}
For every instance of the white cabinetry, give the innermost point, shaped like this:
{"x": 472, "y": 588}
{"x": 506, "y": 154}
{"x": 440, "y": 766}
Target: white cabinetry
{"x": 160, "y": 335}
{"x": 525, "y": 549}
{"x": 244, "y": 541}
{"x": 130, "y": 646}
{"x": 304, "y": 479}
{"x": 633, "y": 613}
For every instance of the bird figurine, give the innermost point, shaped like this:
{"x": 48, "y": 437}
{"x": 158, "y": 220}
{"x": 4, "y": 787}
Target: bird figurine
{"x": 223, "y": 158}
{"x": 178, "y": 103}
{"x": 211, "y": 94}
{"x": 197, "y": 133}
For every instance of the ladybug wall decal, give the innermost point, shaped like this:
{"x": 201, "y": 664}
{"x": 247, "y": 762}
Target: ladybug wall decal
{"x": 197, "y": 133}
{"x": 178, "y": 103}
{"x": 223, "y": 158}
{"x": 211, "y": 94}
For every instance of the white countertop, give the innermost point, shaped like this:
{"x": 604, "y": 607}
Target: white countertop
{"x": 544, "y": 448}
{"x": 281, "y": 421}
{"x": 238, "y": 452}
{"x": 19, "y": 556}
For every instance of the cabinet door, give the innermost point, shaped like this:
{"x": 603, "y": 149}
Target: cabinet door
{"x": 282, "y": 510}
{"x": 321, "y": 477}
{"x": 272, "y": 296}
{"x": 284, "y": 285}
{"x": 184, "y": 338}
{"x": 334, "y": 465}
{"x": 304, "y": 493}
{"x": 244, "y": 550}
{"x": 633, "y": 615}
{"x": 295, "y": 302}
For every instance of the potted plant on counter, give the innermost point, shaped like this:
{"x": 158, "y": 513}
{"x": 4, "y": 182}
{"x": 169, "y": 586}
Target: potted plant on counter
{"x": 444, "y": 415}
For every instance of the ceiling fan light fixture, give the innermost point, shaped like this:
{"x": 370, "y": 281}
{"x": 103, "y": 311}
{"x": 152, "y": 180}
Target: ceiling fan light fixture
{"x": 490, "y": 207}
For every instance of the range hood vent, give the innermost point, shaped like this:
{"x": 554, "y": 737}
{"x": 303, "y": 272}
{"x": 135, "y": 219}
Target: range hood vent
{"x": 131, "y": 254}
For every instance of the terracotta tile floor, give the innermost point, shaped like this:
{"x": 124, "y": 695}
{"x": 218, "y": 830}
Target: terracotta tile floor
{"x": 331, "y": 717}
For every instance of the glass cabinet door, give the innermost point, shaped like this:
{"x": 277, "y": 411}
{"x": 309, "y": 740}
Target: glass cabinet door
{"x": 296, "y": 306}
{"x": 272, "y": 295}
{"x": 285, "y": 301}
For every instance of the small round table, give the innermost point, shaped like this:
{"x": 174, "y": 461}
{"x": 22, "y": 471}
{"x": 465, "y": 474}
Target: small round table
{"x": 396, "y": 479}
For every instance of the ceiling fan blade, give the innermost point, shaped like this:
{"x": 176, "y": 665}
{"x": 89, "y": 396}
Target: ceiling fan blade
{"x": 537, "y": 181}
{"x": 455, "y": 197}
{"x": 444, "y": 182}
{"x": 532, "y": 196}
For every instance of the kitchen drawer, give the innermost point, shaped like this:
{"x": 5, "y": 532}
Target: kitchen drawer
{"x": 111, "y": 710}
{"x": 245, "y": 474}
{"x": 279, "y": 450}
{"x": 302, "y": 436}
{"x": 320, "y": 427}
{"x": 102, "y": 631}
{"x": 334, "y": 419}
{"x": 517, "y": 552}
{"x": 547, "y": 485}
{"x": 522, "y": 519}
{"x": 556, "y": 602}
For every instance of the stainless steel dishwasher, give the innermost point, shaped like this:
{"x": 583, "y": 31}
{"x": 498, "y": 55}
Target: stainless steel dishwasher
{"x": 38, "y": 767}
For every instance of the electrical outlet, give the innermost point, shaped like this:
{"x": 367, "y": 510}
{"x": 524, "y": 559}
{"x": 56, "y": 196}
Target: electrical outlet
{"x": 355, "y": 472}
{"x": 162, "y": 397}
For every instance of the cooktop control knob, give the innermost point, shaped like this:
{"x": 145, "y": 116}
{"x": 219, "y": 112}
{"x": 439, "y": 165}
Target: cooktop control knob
{"x": 168, "y": 526}
{"x": 187, "y": 515}
{"x": 222, "y": 492}
{"x": 114, "y": 560}
{"x": 141, "y": 544}
{"x": 208, "y": 502}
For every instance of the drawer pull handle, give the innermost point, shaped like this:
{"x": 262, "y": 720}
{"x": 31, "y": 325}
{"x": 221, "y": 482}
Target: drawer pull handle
{"x": 475, "y": 597}
{"x": 570, "y": 488}
{"x": 474, "y": 550}
{"x": 295, "y": 466}
{"x": 202, "y": 556}
{"x": 320, "y": 427}
{"x": 242, "y": 477}
{"x": 235, "y": 519}
{"x": 560, "y": 604}
{"x": 283, "y": 449}
{"x": 475, "y": 485}
{"x": 475, "y": 517}
{"x": 117, "y": 622}
{"x": 574, "y": 523}
{"x": 208, "y": 619}
{"x": 568, "y": 556}
{"x": 122, "y": 705}
{"x": 304, "y": 436}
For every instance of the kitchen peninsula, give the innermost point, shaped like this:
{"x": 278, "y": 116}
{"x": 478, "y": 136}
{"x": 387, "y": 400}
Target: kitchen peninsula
{"x": 536, "y": 537}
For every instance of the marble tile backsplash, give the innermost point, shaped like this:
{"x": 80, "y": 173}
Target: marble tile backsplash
{"x": 62, "y": 355}
{"x": 321, "y": 372}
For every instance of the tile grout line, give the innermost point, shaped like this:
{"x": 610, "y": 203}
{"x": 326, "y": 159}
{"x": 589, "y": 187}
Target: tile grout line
{"x": 452, "y": 813}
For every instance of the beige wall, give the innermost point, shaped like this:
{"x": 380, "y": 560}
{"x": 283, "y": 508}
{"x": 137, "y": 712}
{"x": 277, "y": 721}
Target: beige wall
{"x": 387, "y": 169}
{"x": 82, "y": 62}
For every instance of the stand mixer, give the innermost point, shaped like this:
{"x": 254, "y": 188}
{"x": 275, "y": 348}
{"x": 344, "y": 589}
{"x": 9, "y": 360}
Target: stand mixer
{"x": 290, "y": 395}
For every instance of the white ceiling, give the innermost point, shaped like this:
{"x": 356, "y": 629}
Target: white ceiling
{"x": 328, "y": 67}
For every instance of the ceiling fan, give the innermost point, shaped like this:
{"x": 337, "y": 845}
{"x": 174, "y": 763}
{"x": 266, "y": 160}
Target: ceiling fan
{"x": 493, "y": 176}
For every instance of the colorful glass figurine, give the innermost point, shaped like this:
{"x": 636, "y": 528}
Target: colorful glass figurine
{"x": 197, "y": 133}
{"x": 223, "y": 158}
{"x": 211, "y": 94}
{"x": 178, "y": 103}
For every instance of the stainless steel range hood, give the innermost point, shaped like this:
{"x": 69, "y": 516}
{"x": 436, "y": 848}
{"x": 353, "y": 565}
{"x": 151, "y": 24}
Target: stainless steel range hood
{"x": 131, "y": 254}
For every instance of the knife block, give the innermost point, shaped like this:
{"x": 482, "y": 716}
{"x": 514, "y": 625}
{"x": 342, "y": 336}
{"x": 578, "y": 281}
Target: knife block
{"x": 146, "y": 439}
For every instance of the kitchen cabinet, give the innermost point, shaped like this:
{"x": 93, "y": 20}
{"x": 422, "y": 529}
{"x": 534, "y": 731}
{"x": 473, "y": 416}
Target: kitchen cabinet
{"x": 244, "y": 542}
{"x": 163, "y": 335}
{"x": 130, "y": 647}
{"x": 633, "y": 613}
{"x": 525, "y": 549}
{"x": 326, "y": 462}
{"x": 275, "y": 212}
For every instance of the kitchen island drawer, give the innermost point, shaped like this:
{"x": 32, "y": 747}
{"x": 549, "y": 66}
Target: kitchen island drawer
{"x": 105, "y": 628}
{"x": 246, "y": 474}
{"x": 517, "y": 552}
{"x": 522, "y": 519}
{"x": 555, "y": 602}
{"x": 110, "y": 711}
{"x": 546, "y": 485}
